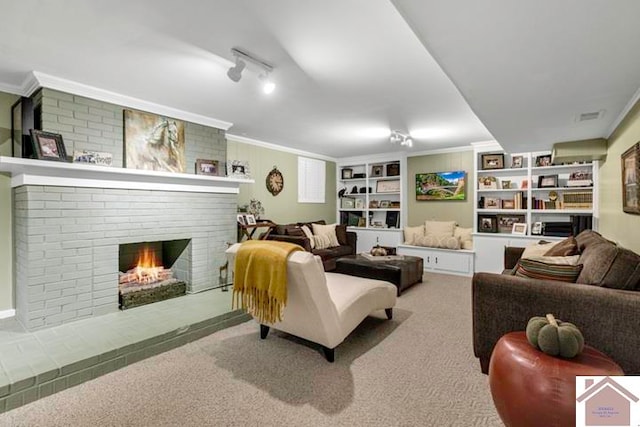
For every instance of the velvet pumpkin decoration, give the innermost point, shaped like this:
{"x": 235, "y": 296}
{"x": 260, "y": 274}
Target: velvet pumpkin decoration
{"x": 555, "y": 337}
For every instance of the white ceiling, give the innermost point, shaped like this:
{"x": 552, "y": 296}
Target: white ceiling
{"x": 347, "y": 70}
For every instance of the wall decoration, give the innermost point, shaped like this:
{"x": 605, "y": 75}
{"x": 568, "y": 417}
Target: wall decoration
{"x": 376, "y": 171}
{"x": 48, "y": 146}
{"x": 492, "y": 161}
{"x": 386, "y": 186}
{"x": 517, "y": 162}
{"x": 207, "y": 167}
{"x": 543, "y": 160}
{"x": 547, "y": 181}
{"x": 153, "y": 142}
{"x": 487, "y": 224}
{"x": 441, "y": 186}
{"x": 93, "y": 157}
{"x": 238, "y": 169}
{"x": 275, "y": 181}
{"x": 393, "y": 169}
{"x": 630, "y": 171}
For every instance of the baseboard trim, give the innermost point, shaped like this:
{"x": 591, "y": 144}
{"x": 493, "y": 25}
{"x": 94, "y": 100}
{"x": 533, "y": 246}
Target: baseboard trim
{"x": 5, "y": 314}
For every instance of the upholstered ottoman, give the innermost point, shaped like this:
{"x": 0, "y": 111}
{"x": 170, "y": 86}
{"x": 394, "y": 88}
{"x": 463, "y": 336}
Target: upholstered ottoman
{"x": 531, "y": 388}
{"x": 404, "y": 272}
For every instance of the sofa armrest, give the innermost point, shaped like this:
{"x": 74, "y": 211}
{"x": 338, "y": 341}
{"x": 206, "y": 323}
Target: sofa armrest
{"x": 352, "y": 238}
{"x": 511, "y": 256}
{"x": 298, "y": 240}
{"x": 608, "y": 318}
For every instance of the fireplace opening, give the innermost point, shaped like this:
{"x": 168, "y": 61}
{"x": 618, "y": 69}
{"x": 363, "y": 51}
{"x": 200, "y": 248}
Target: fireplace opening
{"x": 152, "y": 271}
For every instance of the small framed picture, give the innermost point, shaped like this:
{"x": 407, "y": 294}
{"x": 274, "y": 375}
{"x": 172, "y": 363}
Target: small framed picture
{"x": 251, "y": 220}
{"x": 347, "y": 173}
{"x": 508, "y": 204}
{"x": 393, "y": 169}
{"x": 487, "y": 224}
{"x": 240, "y": 219}
{"x": 506, "y": 184}
{"x": 376, "y": 171}
{"x": 48, "y": 146}
{"x": 487, "y": 183}
{"x": 547, "y": 181}
{"x": 207, "y": 167}
{"x": 384, "y": 204}
{"x": 543, "y": 160}
{"x": 517, "y": 162}
{"x": 373, "y": 204}
{"x": 519, "y": 228}
{"x": 537, "y": 228}
{"x": 505, "y": 222}
{"x": 492, "y": 161}
{"x": 491, "y": 203}
{"x": 362, "y": 222}
{"x": 524, "y": 184}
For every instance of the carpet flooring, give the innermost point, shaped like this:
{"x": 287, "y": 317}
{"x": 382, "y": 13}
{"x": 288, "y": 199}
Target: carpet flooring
{"x": 415, "y": 370}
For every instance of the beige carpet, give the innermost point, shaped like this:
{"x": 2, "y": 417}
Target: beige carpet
{"x": 416, "y": 370}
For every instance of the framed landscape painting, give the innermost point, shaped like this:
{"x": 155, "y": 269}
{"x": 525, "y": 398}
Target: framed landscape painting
{"x": 153, "y": 142}
{"x": 441, "y": 186}
{"x": 630, "y": 171}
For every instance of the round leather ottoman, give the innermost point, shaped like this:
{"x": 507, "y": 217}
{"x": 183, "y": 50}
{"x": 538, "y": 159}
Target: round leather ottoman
{"x": 530, "y": 388}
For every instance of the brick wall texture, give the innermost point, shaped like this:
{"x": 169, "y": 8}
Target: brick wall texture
{"x": 67, "y": 238}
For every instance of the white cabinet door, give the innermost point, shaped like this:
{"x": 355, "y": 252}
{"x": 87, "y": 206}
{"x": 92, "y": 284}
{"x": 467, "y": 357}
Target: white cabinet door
{"x": 490, "y": 253}
{"x": 368, "y": 238}
{"x": 451, "y": 262}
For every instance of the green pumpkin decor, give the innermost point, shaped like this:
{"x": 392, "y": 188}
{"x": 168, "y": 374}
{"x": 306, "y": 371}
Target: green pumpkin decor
{"x": 555, "y": 337}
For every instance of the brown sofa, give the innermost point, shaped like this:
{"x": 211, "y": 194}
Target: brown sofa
{"x": 604, "y": 302}
{"x": 292, "y": 233}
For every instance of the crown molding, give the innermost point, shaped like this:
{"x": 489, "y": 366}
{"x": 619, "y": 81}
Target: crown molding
{"x": 9, "y": 88}
{"x": 441, "y": 151}
{"x": 277, "y": 147}
{"x": 634, "y": 99}
{"x": 487, "y": 146}
{"x": 37, "y": 80}
{"x": 372, "y": 158}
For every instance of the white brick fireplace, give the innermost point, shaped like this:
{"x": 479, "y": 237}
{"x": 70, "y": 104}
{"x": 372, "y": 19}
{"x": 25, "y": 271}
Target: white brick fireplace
{"x": 70, "y": 219}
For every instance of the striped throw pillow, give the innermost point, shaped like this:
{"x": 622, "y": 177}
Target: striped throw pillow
{"x": 541, "y": 270}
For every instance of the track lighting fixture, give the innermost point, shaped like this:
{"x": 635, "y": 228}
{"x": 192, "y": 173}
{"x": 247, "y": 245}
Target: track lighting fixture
{"x": 242, "y": 60}
{"x": 398, "y": 137}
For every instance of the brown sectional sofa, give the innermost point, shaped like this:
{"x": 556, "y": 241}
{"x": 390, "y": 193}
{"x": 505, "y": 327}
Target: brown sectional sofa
{"x": 291, "y": 233}
{"x": 604, "y": 302}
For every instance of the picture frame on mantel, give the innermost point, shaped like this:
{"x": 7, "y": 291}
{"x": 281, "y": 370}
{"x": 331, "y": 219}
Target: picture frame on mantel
{"x": 48, "y": 146}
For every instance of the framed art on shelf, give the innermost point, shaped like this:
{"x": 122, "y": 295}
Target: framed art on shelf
{"x": 519, "y": 228}
{"x": 487, "y": 224}
{"x": 393, "y": 169}
{"x": 388, "y": 186}
{"x": 207, "y": 167}
{"x": 93, "y": 157}
{"x": 543, "y": 160}
{"x": 48, "y": 146}
{"x": 238, "y": 169}
{"x": 492, "y": 161}
{"x": 547, "y": 181}
{"x": 630, "y": 171}
{"x": 347, "y": 173}
{"x": 487, "y": 183}
{"x": 240, "y": 219}
{"x": 251, "y": 220}
{"x": 376, "y": 171}
{"x": 505, "y": 222}
{"x": 517, "y": 162}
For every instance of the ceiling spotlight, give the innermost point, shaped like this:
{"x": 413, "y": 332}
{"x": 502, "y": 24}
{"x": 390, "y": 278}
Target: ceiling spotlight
{"x": 398, "y": 137}
{"x": 242, "y": 60}
{"x": 235, "y": 72}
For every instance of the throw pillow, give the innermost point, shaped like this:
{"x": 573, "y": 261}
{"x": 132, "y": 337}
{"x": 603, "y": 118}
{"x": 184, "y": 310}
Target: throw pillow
{"x": 326, "y": 230}
{"x": 445, "y": 242}
{"x": 466, "y": 237}
{"x": 439, "y": 228}
{"x": 566, "y": 247}
{"x": 540, "y": 270}
{"x": 309, "y": 235}
{"x": 560, "y": 260}
{"x": 295, "y": 231}
{"x": 341, "y": 234}
{"x": 412, "y": 233}
{"x": 537, "y": 249}
{"x": 321, "y": 241}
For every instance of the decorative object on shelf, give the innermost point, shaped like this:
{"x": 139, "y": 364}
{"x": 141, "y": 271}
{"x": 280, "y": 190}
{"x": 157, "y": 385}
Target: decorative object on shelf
{"x": 506, "y": 222}
{"x": 547, "y": 181}
{"x": 373, "y": 204}
{"x": 481, "y": 202}
{"x": 630, "y": 171}
{"x": 492, "y": 203}
{"x": 153, "y": 142}
{"x": 492, "y": 161}
{"x": 376, "y": 171}
{"x": 487, "y": 183}
{"x": 441, "y": 186}
{"x": 524, "y": 184}
{"x": 536, "y": 230}
{"x": 342, "y": 191}
{"x": 519, "y": 228}
{"x": 347, "y": 203}
{"x": 362, "y": 222}
{"x": 508, "y": 204}
{"x": 544, "y": 160}
{"x": 506, "y": 184}
{"x": 487, "y": 224}
{"x": 394, "y": 204}
{"x": 359, "y": 175}
{"x": 517, "y": 162}
{"x": 388, "y": 186}
{"x": 241, "y": 220}
{"x": 353, "y": 220}
{"x": 392, "y": 219}
{"x": 238, "y": 169}
{"x": 347, "y": 173}
{"x": 553, "y": 195}
{"x": 250, "y": 219}
{"x": 93, "y": 157}
{"x": 555, "y": 337}
{"x": 274, "y": 181}
{"x": 48, "y": 146}
{"x": 580, "y": 178}
{"x": 364, "y": 190}
{"x": 384, "y": 204}
{"x": 393, "y": 169}
{"x": 354, "y": 190}
{"x": 359, "y": 203}
{"x": 207, "y": 167}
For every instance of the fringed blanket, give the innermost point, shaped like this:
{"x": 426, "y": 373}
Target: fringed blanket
{"x": 260, "y": 278}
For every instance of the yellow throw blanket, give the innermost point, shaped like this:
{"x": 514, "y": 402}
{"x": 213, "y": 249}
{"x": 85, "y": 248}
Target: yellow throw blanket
{"x": 260, "y": 278}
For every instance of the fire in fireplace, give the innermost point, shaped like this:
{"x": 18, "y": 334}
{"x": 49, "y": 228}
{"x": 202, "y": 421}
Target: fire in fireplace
{"x": 146, "y": 273}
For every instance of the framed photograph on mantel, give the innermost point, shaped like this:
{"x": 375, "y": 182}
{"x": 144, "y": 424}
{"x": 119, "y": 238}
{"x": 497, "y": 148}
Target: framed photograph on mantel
{"x": 630, "y": 172}
{"x": 48, "y": 146}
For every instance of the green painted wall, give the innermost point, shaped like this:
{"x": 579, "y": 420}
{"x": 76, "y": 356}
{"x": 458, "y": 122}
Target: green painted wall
{"x": 615, "y": 224}
{"x": 459, "y": 211}
{"x": 6, "y": 240}
{"x": 284, "y": 207}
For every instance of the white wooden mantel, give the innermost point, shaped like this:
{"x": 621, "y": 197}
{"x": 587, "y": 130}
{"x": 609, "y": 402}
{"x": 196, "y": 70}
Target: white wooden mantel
{"x": 61, "y": 174}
